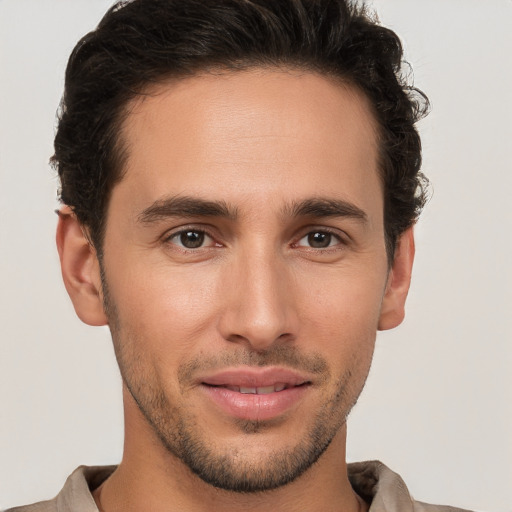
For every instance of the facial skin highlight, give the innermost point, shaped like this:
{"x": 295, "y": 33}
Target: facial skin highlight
{"x": 245, "y": 244}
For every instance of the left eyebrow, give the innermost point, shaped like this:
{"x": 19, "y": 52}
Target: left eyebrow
{"x": 325, "y": 207}
{"x": 184, "y": 206}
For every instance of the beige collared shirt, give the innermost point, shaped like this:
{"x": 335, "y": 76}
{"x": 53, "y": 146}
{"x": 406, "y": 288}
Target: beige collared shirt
{"x": 373, "y": 481}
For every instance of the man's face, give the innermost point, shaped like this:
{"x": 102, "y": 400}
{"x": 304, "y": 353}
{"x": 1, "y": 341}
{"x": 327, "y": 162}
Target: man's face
{"x": 245, "y": 269}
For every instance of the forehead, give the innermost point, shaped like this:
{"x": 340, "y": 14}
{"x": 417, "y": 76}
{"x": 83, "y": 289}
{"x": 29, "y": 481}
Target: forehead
{"x": 252, "y": 133}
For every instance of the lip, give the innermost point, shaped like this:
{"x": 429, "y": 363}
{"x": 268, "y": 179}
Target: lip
{"x": 255, "y": 377}
{"x": 222, "y": 389}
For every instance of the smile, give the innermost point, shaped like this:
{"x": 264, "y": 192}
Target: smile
{"x": 262, "y": 390}
{"x": 259, "y": 394}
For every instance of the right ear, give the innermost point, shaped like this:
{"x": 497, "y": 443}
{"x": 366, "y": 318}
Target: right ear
{"x": 80, "y": 269}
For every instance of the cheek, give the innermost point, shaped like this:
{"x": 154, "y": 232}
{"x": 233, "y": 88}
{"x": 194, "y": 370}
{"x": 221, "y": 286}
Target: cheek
{"x": 344, "y": 301}
{"x": 342, "y": 318}
{"x": 165, "y": 307}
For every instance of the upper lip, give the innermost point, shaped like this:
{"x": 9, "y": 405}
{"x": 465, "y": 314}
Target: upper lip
{"x": 255, "y": 377}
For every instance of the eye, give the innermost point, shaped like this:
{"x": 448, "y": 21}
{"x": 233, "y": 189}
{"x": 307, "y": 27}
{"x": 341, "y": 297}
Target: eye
{"x": 191, "y": 239}
{"x": 319, "y": 240}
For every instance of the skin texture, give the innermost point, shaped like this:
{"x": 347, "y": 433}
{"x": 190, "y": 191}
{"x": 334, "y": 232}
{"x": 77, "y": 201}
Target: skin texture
{"x": 289, "y": 273}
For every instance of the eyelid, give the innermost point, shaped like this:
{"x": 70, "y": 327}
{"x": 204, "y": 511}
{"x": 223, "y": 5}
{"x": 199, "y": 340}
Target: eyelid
{"x": 341, "y": 236}
{"x": 172, "y": 233}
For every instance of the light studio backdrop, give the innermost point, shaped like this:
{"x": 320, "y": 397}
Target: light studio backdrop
{"x": 437, "y": 407}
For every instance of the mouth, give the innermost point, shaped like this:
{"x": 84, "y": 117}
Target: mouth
{"x": 259, "y": 390}
{"x": 255, "y": 394}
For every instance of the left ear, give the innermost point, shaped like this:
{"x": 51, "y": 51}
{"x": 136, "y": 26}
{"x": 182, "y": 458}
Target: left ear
{"x": 399, "y": 279}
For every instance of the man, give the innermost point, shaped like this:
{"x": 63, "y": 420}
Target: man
{"x": 239, "y": 185}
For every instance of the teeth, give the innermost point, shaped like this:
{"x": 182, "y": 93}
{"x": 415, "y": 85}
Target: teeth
{"x": 263, "y": 390}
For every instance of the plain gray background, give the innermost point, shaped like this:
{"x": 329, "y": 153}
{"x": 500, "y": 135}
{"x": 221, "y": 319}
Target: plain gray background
{"x": 437, "y": 407}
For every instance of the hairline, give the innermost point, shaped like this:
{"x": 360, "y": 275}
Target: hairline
{"x": 120, "y": 151}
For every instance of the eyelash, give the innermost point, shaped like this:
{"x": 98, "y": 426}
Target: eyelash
{"x": 341, "y": 240}
{"x": 168, "y": 238}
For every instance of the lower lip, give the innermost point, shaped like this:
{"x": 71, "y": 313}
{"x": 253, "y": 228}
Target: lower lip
{"x": 249, "y": 406}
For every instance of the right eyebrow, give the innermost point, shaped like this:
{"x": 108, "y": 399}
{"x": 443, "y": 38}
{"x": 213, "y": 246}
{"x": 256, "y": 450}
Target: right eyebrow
{"x": 185, "y": 206}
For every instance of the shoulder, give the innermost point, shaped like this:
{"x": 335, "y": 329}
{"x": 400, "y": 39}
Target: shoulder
{"x": 419, "y": 506}
{"x": 385, "y": 490}
{"x": 76, "y": 493}
{"x": 42, "y": 506}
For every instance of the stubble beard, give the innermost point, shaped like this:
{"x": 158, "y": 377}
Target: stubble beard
{"x": 183, "y": 438}
{"x": 228, "y": 469}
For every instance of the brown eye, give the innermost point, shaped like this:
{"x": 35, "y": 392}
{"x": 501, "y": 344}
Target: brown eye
{"x": 319, "y": 240}
{"x": 190, "y": 239}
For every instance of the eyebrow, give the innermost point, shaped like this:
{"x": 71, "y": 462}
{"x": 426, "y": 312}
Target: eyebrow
{"x": 325, "y": 207}
{"x": 184, "y": 206}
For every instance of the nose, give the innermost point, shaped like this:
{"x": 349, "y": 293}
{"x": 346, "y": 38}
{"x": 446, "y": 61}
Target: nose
{"x": 259, "y": 308}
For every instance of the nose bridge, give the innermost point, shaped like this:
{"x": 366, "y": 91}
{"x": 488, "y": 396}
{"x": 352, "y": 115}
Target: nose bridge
{"x": 259, "y": 311}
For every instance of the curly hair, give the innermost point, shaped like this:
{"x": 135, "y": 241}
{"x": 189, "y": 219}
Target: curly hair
{"x": 143, "y": 42}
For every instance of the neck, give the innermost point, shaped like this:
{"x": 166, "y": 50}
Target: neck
{"x": 151, "y": 478}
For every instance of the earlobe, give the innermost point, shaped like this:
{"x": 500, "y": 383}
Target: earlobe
{"x": 399, "y": 280}
{"x": 80, "y": 269}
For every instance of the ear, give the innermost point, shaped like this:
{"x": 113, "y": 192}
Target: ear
{"x": 80, "y": 269}
{"x": 399, "y": 278}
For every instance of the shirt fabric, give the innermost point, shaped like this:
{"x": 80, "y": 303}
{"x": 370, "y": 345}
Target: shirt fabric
{"x": 373, "y": 481}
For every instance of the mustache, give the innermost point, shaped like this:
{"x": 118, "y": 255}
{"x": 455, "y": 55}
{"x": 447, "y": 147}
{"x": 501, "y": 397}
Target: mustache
{"x": 289, "y": 357}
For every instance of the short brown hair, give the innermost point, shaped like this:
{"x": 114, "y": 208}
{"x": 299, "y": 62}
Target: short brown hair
{"x": 143, "y": 42}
